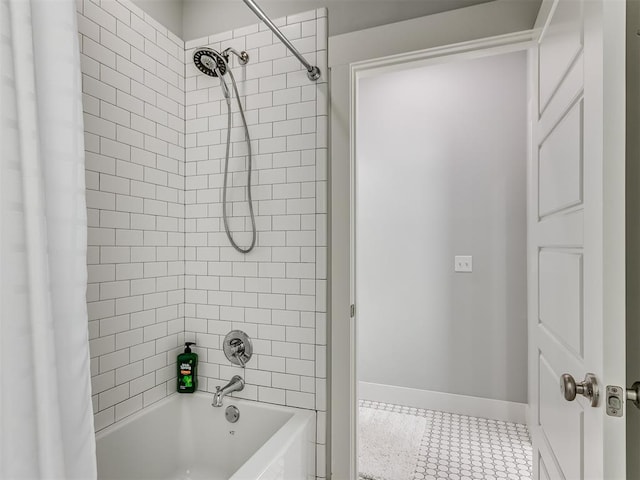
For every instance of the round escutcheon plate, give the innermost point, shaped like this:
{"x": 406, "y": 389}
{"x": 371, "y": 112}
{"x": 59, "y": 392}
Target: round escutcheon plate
{"x": 232, "y": 414}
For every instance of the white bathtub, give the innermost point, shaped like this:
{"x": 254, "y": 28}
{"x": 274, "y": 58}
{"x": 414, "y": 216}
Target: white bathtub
{"x": 184, "y": 438}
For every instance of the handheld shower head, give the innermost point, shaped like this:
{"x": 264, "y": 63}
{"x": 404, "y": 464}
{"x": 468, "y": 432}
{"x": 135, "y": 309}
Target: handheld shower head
{"x": 225, "y": 90}
{"x": 210, "y": 62}
{"x": 214, "y": 64}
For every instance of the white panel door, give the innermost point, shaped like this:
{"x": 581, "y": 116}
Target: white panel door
{"x": 576, "y": 236}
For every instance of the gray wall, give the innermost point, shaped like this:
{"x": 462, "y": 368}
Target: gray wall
{"x": 441, "y": 171}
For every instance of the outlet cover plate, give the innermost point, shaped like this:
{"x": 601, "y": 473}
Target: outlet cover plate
{"x": 463, "y": 263}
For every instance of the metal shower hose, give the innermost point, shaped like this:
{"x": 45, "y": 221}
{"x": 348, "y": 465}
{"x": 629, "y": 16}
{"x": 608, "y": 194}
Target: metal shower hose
{"x": 226, "y": 170}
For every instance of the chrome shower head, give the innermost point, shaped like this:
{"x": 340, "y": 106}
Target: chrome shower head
{"x": 213, "y": 63}
{"x": 210, "y": 62}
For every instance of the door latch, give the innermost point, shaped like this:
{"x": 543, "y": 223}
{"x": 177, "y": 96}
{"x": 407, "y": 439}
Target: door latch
{"x": 615, "y": 401}
{"x": 616, "y": 397}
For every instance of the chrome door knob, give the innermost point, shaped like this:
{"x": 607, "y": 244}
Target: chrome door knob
{"x": 633, "y": 394}
{"x": 568, "y": 387}
{"x": 587, "y": 388}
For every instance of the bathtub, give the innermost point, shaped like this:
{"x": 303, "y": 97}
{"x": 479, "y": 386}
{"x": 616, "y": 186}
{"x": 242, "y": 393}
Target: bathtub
{"x": 183, "y": 437}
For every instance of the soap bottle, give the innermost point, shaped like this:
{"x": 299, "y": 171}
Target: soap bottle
{"x": 187, "y": 370}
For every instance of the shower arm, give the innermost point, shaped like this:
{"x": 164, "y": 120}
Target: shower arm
{"x": 243, "y": 57}
{"x": 312, "y": 72}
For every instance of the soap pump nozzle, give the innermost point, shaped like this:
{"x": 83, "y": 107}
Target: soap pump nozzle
{"x": 187, "y": 346}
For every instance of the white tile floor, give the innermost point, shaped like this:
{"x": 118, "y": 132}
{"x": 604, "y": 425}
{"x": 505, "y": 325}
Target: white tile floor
{"x": 459, "y": 447}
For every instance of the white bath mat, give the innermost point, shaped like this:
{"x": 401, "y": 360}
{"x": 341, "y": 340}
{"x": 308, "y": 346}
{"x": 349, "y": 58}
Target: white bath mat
{"x": 389, "y": 444}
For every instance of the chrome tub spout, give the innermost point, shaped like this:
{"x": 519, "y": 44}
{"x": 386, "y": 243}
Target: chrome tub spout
{"x": 235, "y": 385}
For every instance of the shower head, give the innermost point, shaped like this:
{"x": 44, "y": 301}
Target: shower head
{"x": 214, "y": 63}
{"x": 210, "y": 62}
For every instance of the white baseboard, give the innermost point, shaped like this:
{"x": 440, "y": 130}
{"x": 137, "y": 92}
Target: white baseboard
{"x": 447, "y": 402}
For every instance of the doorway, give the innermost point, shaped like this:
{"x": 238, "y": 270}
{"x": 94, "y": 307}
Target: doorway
{"x": 440, "y": 269}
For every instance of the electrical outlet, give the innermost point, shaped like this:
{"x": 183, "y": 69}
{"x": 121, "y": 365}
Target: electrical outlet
{"x": 463, "y": 263}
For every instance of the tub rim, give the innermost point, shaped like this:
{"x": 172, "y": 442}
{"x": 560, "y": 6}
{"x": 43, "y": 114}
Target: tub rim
{"x": 173, "y": 396}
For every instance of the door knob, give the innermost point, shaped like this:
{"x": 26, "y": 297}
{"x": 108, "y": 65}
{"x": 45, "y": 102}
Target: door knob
{"x": 588, "y": 388}
{"x": 633, "y": 394}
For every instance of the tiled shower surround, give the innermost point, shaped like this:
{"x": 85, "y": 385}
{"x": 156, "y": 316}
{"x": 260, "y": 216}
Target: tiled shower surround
{"x": 133, "y": 98}
{"x": 161, "y": 269}
{"x": 276, "y": 292}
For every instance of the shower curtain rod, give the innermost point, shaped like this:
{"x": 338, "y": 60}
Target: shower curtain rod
{"x": 312, "y": 72}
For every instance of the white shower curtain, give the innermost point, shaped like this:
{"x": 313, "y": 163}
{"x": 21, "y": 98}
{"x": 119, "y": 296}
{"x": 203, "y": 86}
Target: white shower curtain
{"x": 46, "y": 418}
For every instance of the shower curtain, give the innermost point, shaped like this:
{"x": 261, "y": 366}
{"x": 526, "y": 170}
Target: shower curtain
{"x": 46, "y": 418}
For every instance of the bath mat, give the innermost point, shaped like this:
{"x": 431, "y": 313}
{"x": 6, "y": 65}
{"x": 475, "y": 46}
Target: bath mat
{"x": 389, "y": 444}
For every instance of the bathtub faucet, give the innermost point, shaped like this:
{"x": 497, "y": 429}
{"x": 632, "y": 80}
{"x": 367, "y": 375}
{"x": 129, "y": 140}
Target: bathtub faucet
{"x": 235, "y": 385}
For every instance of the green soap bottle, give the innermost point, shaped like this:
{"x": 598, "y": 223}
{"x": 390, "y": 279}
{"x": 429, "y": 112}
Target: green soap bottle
{"x": 187, "y": 370}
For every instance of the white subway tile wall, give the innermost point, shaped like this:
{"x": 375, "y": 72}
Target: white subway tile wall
{"x": 133, "y": 86}
{"x": 161, "y": 269}
{"x": 277, "y": 292}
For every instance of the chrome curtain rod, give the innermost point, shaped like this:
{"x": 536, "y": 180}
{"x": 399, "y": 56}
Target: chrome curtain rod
{"x": 312, "y": 72}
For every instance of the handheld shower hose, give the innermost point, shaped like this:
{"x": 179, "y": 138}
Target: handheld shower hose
{"x": 215, "y": 64}
{"x": 225, "y": 219}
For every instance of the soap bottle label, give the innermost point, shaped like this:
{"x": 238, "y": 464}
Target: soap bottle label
{"x": 187, "y": 378}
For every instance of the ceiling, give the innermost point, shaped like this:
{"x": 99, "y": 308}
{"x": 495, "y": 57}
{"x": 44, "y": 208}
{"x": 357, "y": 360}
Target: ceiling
{"x": 344, "y": 15}
{"x": 191, "y": 19}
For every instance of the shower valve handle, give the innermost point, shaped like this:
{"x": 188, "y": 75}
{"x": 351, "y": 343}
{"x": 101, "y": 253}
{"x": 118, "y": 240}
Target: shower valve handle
{"x": 237, "y": 347}
{"x": 237, "y": 350}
